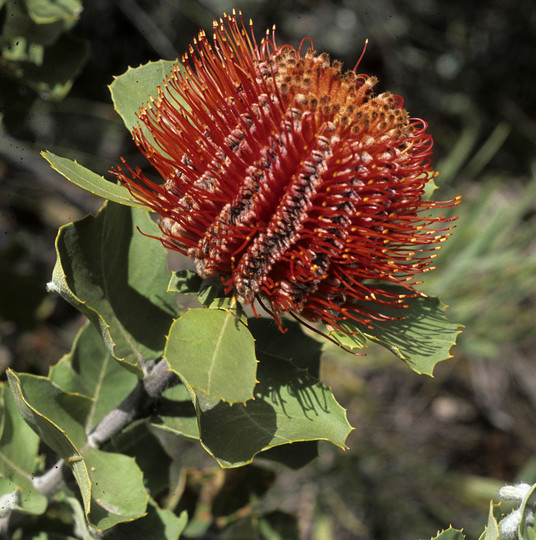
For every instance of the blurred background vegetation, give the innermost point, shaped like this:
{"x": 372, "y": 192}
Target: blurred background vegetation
{"x": 426, "y": 452}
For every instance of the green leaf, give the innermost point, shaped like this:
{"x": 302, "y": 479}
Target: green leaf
{"x": 211, "y": 292}
{"x": 138, "y": 442}
{"x": 53, "y": 75}
{"x": 176, "y": 413}
{"x": 20, "y": 32}
{"x": 47, "y": 11}
{"x": 90, "y": 181}
{"x": 57, "y": 417}
{"x": 289, "y": 405}
{"x": 111, "y": 485}
{"x": 18, "y": 455}
{"x": 158, "y": 524}
{"x": 133, "y": 89}
{"x": 89, "y": 369}
{"x": 294, "y": 456}
{"x": 429, "y": 187}
{"x": 9, "y": 496}
{"x": 527, "y": 528}
{"x": 212, "y": 351}
{"x": 450, "y": 534}
{"x": 117, "y": 277}
{"x": 492, "y": 528}
{"x": 421, "y": 335}
{"x": 42, "y": 56}
{"x": 185, "y": 282}
{"x": 293, "y": 345}
{"x": 117, "y": 490}
{"x": 78, "y": 515}
{"x": 352, "y": 339}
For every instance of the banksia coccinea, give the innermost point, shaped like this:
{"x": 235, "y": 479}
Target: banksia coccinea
{"x": 289, "y": 178}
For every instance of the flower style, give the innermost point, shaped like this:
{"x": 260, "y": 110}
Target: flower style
{"x": 289, "y": 178}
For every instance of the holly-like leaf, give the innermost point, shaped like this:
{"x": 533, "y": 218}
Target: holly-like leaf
{"x": 58, "y": 418}
{"x": 118, "y": 278}
{"x": 61, "y": 62}
{"x": 138, "y": 442}
{"x": 18, "y": 456}
{"x": 289, "y": 404}
{"x": 176, "y": 413}
{"x": 292, "y": 345}
{"x": 450, "y": 534}
{"x": 420, "y": 334}
{"x": 47, "y": 11}
{"x": 92, "y": 182}
{"x": 527, "y": 528}
{"x": 158, "y": 524}
{"x": 111, "y": 485}
{"x": 117, "y": 490}
{"x": 492, "y": 528}
{"x": 185, "y": 282}
{"x": 213, "y": 351}
{"x": 134, "y": 88}
{"x": 42, "y": 56}
{"x": 9, "y": 496}
{"x": 89, "y": 369}
{"x": 294, "y": 456}
{"x": 18, "y": 24}
{"x": 351, "y": 339}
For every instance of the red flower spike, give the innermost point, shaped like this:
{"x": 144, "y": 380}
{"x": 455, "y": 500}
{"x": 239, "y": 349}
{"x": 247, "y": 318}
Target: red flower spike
{"x": 289, "y": 178}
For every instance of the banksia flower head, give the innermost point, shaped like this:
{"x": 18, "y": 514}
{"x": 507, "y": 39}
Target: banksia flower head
{"x": 288, "y": 178}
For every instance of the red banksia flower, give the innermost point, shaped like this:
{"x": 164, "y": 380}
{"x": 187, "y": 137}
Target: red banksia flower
{"x": 289, "y": 178}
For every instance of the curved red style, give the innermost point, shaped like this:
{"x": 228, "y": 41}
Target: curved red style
{"x": 289, "y": 178}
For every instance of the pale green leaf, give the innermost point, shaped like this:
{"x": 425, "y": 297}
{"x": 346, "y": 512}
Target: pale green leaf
{"x": 351, "y": 338}
{"x": 158, "y": 524}
{"x": 18, "y": 455}
{"x": 57, "y": 417}
{"x": 49, "y": 11}
{"x": 89, "y": 369}
{"x": 23, "y": 33}
{"x": 176, "y": 413}
{"x": 527, "y": 527}
{"x": 134, "y": 88}
{"x": 492, "y": 528}
{"x": 81, "y": 525}
{"x": 117, "y": 490}
{"x": 92, "y": 182}
{"x": 420, "y": 334}
{"x": 213, "y": 351}
{"x": 450, "y": 534}
{"x": 290, "y": 404}
{"x": 118, "y": 278}
{"x": 185, "y": 282}
{"x": 9, "y": 496}
{"x": 137, "y": 441}
{"x": 52, "y": 74}
{"x": 295, "y": 455}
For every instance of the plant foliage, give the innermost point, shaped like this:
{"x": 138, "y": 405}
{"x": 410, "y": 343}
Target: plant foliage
{"x": 239, "y": 387}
